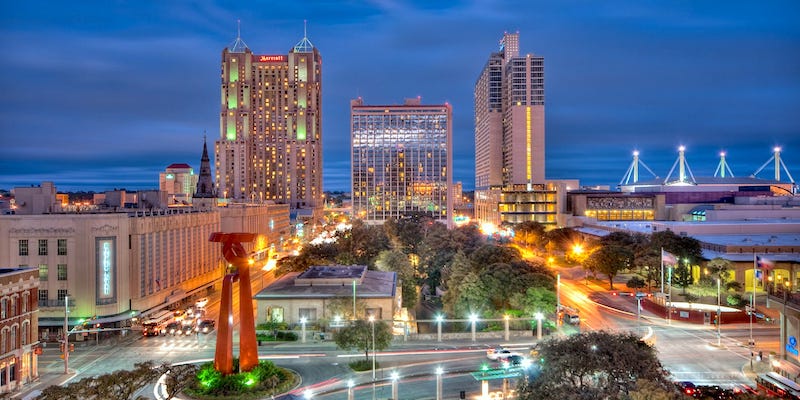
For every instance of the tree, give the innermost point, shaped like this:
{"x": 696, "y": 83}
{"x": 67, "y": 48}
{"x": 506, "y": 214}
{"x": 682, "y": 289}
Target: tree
{"x": 596, "y": 365}
{"x": 359, "y": 336}
{"x": 397, "y": 261}
{"x": 635, "y": 283}
{"x": 343, "y": 307}
{"x": 116, "y": 385}
{"x": 178, "y": 377}
{"x": 609, "y": 260}
{"x": 682, "y": 276}
{"x": 530, "y": 233}
{"x": 533, "y": 300}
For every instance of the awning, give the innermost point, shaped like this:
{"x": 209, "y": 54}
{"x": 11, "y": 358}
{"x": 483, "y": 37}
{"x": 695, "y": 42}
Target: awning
{"x": 114, "y": 318}
{"x": 55, "y": 321}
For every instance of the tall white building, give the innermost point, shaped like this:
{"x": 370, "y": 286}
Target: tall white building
{"x": 510, "y": 185}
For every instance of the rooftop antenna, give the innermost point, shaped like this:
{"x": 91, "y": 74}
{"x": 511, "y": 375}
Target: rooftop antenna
{"x": 238, "y": 45}
{"x": 723, "y": 166}
{"x": 778, "y": 164}
{"x": 683, "y": 168}
{"x": 304, "y": 45}
{"x": 633, "y": 170}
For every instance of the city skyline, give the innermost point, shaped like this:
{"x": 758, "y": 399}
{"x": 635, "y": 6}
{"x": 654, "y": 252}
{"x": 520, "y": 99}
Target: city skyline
{"x": 107, "y": 96}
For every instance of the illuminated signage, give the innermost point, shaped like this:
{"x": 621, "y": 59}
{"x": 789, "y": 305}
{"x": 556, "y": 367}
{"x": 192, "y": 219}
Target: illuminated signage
{"x": 106, "y": 269}
{"x": 268, "y": 58}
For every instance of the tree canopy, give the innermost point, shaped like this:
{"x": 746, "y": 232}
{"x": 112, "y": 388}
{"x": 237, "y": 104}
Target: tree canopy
{"x": 597, "y": 365}
{"x": 359, "y": 336}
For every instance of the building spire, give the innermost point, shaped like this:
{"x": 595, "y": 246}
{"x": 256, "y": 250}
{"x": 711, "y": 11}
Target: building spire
{"x": 304, "y": 45}
{"x": 205, "y": 183}
{"x": 238, "y": 45}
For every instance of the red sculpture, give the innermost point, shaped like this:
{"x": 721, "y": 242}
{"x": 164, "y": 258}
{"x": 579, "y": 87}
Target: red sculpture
{"x": 235, "y": 254}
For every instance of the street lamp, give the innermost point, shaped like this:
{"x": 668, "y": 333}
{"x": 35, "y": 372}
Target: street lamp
{"x": 439, "y": 372}
{"x": 66, "y": 335}
{"x": 719, "y": 305}
{"x": 350, "y": 385}
{"x": 395, "y": 378}
{"x": 473, "y": 318}
{"x": 303, "y": 329}
{"x": 372, "y": 322}
{"x": 506, "y": 318}
{"x": 558, "y": 291}
{"x": 439, "y": 319}
{"x": 539, "y": 318}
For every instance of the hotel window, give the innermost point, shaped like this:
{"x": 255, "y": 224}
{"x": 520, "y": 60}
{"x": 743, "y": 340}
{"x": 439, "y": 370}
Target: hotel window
{"x": 13, "y": 338}
{"x": 26, "y": 297}
{"x": 13, "y": 302}
{"x": 4, "y": 308}
{"x": 62, "y": 272}
{"x": 23, "y": 247}
{"x": 42, "y": 247}
{"x": 62, "y": 294}
{"x": 42, "y": 272}
{"x": 43, "y": 297}
{"x": 62, "y": 247}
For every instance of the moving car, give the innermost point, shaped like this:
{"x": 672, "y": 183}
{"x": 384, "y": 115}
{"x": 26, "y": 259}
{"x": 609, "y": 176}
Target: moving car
{"x": 515, "y": 360}
{"x": 200, "y": 303}
{"x": 499, "y": 353}
{"x": 172, "y": 328}
{"x": 205, "y": 326}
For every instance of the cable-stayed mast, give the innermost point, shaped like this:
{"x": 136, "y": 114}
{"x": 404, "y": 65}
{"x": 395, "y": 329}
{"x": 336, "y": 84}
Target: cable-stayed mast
{"x": 683, "y": 168}
{"x": 723, "y": 166}
{"x": 633, "y": 170}
{"x": 776, "y": 156}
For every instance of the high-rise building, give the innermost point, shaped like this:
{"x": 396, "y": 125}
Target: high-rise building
{"x": 401, "y": 160}
{"x": 510, "y": 181}
{"x": 270, "y": 145}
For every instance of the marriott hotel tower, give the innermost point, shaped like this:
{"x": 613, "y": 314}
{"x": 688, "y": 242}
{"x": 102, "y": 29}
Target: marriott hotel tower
{"x": 270, "y": 144}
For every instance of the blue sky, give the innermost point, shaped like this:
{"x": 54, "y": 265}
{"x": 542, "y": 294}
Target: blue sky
{"x": 105, "y": 94}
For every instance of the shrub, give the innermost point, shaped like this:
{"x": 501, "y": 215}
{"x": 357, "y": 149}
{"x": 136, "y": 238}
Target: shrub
{"x": 362, "y": 365}
{"x": 734, "y": 299}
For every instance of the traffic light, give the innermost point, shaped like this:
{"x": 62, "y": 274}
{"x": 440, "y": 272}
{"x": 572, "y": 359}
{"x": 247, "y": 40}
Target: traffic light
{"x": 72, "y": 347}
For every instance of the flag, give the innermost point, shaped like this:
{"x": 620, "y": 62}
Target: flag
{"x": 668, "y": 258}
{"x": 764, "y": 263}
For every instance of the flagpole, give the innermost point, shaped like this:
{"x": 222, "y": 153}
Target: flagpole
{"x": 662, "y": 271}
{"x": 669, "y": 309}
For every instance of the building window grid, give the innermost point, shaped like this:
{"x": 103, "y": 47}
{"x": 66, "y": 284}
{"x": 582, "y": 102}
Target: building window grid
{"x": 43, "y": 293}
{"x": 62, "y": 294}
{"x": 62, "y": 247}
{"x": 42, "y": 247}
{"x": 61, "y": 271}
{"x": 43, "y": 272}
{"x": 23, "y": 247}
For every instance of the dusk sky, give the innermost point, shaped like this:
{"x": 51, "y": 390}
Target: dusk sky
{"x": 98, "y": 95}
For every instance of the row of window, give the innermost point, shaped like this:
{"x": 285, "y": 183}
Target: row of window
{"x": 8, "y": 337}
{"x": 8, "y": 305}
{"x": 44, "y": 294}
{"x": 42, "y": 247}
{"x": 61, "y": 272}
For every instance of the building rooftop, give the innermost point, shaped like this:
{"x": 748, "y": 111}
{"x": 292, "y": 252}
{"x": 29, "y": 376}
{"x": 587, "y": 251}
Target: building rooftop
{"x": 331, "y": 282}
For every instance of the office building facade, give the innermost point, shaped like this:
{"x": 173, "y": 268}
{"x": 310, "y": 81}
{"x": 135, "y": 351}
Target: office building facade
{"x": 270, "y": 144}
{"x": 401, "y": 160}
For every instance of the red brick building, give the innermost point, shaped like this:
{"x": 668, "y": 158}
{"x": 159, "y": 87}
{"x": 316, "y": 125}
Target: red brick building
{"x": 19, "y": 306}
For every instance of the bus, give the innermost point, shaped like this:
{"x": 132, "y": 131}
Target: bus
{"x": 153, "y": 325}
{"x": 774, "y": 384}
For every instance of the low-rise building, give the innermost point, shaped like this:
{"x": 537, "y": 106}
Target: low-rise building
{"x": 18, "y": 325}
{"x": 320, "y": 294}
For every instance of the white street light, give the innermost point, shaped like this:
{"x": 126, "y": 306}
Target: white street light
{"x": 439, "y": 372}
{"x": 539, "y": 316}
{"x": 372, "y": 321}
{"x": 719, "y": 322}
{"x": 474, "y": 319}
{"x": 350, "y": 385}
{"x": 395, "y": 378}
{"x": 439, "y": 319}
{"x": 303, "y": 329}
{"x": 507, "y": 318}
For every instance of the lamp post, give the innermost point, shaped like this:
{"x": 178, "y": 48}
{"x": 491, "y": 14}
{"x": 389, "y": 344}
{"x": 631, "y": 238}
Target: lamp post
{"x": 372, "y": 322}
{"x": 303, "y": 329}
{"x": 719, "y": 311}
{"x": 669, "y": 303}
{"x": 66, "y": 335}
{"x": 539, "y": 318}
{"x": 395, "y": 379}
{"x": 473, "y": 318}
{"x": 558, "y": 291}
{"x": 439, "y": 319}
{"x": 506, "y": 319}
{"x": 350, "y": 385}
{"x": 787, "y": 286}
{"x": 439, "y": 372}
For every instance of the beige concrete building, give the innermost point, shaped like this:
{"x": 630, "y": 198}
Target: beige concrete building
{"x": 178, "y": 183}
{"x": 322, "y": 293}
{"x": 115, "y": 264}
{"x": 19, "y": 347}
{"x": 270, "y": 144}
